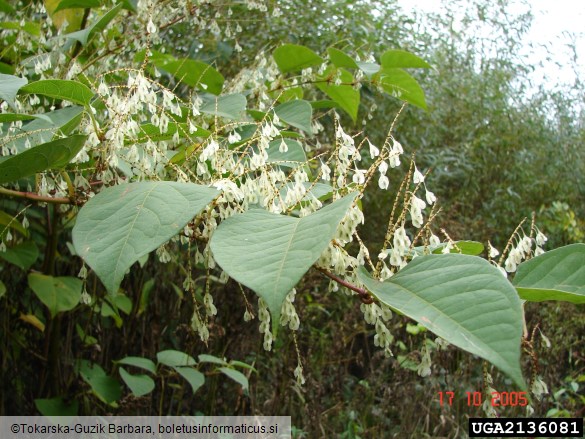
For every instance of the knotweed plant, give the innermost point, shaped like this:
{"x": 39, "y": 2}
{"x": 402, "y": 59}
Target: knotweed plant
{"x": 108, "y": 122}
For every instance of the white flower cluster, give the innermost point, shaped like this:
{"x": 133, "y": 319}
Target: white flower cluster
{"x": 523, "y": 250}
{"x": 264, "y": 317}
{"x": 424, "y": 367}
{"x": 378, "y": 315}
{"x": 288, "y": 314}
{"x": 400, "y": 248}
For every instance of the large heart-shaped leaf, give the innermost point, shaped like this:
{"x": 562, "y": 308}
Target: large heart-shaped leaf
{"x": 57, "y": 293}
{"x": 555, "y": 275}
{"x": 462, "y": 299}
{"x": 122, "y": 223}
{"x": 55, "y": 154}
{"x": 270, "y": 253}
{"x": 72, "y": 91}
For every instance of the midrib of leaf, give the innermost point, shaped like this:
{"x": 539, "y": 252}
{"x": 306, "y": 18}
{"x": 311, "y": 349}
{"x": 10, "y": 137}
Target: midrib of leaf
{"x": 463, "y": 329}
{"x": 132, "y": 228}
{"x": 286, "y": 254}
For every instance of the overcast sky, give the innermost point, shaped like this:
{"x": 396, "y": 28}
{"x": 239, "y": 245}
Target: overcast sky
{"x": 552, "y": 20}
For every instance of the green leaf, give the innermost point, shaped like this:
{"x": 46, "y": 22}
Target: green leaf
{"x": 84, "y": 35}
{"x": 235, "y": 375}
{"x": 392, "y": 59}
{"x": 292, "y": 57}
{"x": 57, "y": 293}
{"x": 2, "y": 289}
{"x": 122, "y": 223}
{"x": 11, "y": 117}
{"x": 463, "y": 299}
{"x": 69, "y": 4}
{"x": 191, "y": 72}
{"x": 555, "y": 275}
{"x": 149, "y": 131}
{"x": 23, "y": 255}
{"x": 72, "y": 91}
{"x": 9, "y": 86}
{"x": 228, "y": 106}
{"x": 140, "y": 385}
{"x": 320, "y": 191}
{"x": 174, "y": 358}
{"x": 143, "y": 363}
{"x": 270, "y": 253}
{"x": 369, "y": 68}
{"x": 341, "y": 59}
{"x": 5, "y": 7}
{"x": 343, "y": 95}
{"x": 195, "y": 378}
{"x": 56, "y": 407}
{"x": 104, "y": 387}
{"x": 294, "y": 157}
{"x": 46, "y": 126}
{"x": 51, "y": 155}
{"x": 399, "y": 84}
{"x": 205, "y": 358}
{"x": 472, "y": 248}
{"x": 296, "y": 113}
{"x": 9, "y": 221}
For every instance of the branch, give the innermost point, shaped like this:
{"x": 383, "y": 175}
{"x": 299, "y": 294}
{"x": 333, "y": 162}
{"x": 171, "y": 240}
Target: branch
{"x": 36, "y": 197}
{"x": 364, "y": 295}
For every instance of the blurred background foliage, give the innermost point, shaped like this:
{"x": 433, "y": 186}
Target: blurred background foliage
{"x": 498, "y": 146}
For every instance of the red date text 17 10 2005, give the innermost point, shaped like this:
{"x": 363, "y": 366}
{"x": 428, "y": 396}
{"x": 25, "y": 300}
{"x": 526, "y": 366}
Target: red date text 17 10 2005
{"x": 498, "y": 399}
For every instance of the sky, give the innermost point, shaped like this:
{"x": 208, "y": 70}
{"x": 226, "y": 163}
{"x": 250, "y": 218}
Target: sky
{"x": 552, "y": 20}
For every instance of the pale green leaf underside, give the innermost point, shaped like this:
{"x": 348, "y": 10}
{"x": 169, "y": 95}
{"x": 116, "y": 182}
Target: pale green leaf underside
{"x": 122, "y": 223}
{"x": 462, "y": 299}
{"x": 270, "y": 253}
{"x": 9, "y": 86}
{"x": 555, "y": 275}
{"x": 297, "y": 113}
{"x": 228, "y": 106}
{"x": 45, "y": 126}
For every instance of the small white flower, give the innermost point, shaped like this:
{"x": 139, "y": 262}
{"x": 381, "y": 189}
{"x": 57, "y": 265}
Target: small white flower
{"x": 374, "y": 152}
{"x": 430, "y": 197}
{"x": 492, "y": 251}
{"x": 383, "y": 182}
{"x": 541, "y": 239}
{"x": 283, "y": 147}
{"x": 150, "y": 27}
{"x": 418, "y": 177}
